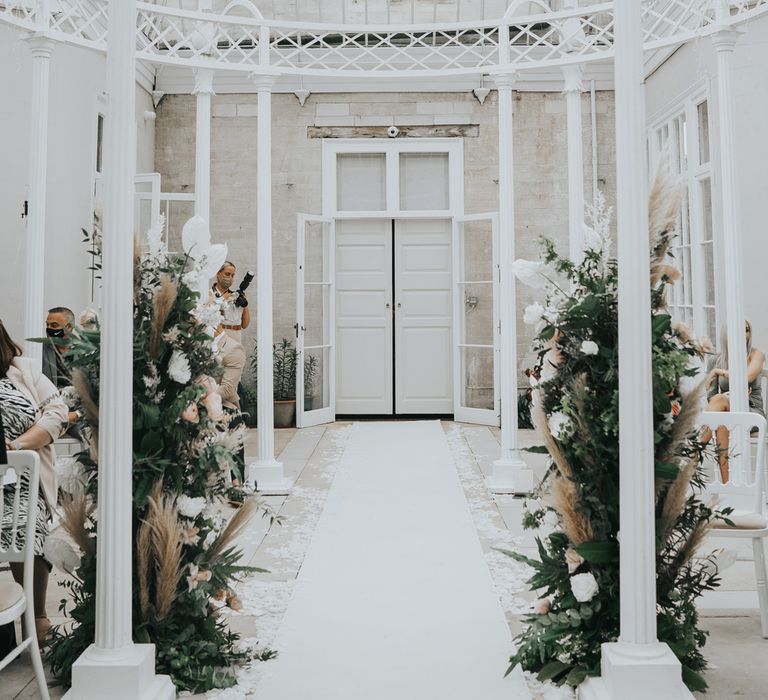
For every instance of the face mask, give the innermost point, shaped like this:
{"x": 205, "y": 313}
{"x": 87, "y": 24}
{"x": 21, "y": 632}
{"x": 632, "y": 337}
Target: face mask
{"x": 54, "y": 332}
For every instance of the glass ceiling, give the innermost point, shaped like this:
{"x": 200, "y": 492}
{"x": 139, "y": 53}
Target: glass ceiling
{"x": 368, "y": 11}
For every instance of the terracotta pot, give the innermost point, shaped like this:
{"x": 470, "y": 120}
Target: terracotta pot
{"x": 285, "y": 413}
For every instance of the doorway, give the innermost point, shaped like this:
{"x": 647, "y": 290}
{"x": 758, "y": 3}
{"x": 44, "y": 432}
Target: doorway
{"x": 394, "y": 325}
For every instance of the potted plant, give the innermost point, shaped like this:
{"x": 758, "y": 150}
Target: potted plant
{"x": 311, "y": 365}
{"x": 284, "y": 383}
{"x": 248, "y": 399}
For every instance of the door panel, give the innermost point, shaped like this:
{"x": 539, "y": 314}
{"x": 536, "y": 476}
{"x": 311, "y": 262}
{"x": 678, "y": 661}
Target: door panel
{"x": 315, "y": 316}
{"x": 364, "y": 316}
{"x": 476, "y": 321}
{"x": 423, "y": 374}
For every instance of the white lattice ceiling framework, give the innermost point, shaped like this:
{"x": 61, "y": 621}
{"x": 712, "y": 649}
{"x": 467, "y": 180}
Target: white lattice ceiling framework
{"x": 241, "y": 40}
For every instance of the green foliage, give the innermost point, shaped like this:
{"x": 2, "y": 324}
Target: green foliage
{"x": 579, "y": 395}
{"x": 188, "y": 455}
{"x": 284, "y": 362}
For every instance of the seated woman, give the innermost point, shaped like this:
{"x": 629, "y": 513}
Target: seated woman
{"x": 33, "y": 416}
{"x": 718, "y": 390}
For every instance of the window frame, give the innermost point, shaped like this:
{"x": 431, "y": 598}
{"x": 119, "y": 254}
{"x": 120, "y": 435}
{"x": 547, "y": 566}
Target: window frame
{"x": 689, "y": 302}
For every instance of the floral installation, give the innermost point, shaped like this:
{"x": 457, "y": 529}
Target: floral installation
{"x": 185, "y": 557}
{"x": 576, "y": 410}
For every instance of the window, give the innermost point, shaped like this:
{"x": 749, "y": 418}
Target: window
{"x": 683, "y": 138}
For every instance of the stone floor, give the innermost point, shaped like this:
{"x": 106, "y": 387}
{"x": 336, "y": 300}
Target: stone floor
{"x": 735, "y": 650}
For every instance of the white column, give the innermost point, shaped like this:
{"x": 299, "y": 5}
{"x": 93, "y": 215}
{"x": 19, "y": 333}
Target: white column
{"x": 266, "y": 471}
{"x": 636, "y": 667}
{"x": 34, "y": 253}
{"x": 573, "y": 89}
{"x": 203, "y": 92}
{"x": 724, "y": 41}
{"x": 114, "y": 667}
{"x": 510, "y": 472}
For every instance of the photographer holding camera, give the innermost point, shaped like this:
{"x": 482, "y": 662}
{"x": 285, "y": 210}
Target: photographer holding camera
{"x": 236, "y": 313}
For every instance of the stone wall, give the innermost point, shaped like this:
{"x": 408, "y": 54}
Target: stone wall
{"x": 540, "y": 166}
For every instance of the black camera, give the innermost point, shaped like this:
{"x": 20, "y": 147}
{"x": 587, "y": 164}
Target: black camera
{"x": 241, "y": 300}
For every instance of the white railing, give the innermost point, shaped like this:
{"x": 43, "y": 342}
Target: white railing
{"x": 253, "y": 44}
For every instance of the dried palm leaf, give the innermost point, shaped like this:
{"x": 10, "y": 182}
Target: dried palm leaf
{"x": 564, "y": 500}
{"x": 162, "y": 302}
{"x": 234, "y": 528}
{"x": 166, "y": 535}
{"x": 76, "y": 511}
{"x": 539, "y": 420}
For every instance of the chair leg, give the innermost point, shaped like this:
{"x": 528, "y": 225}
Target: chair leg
{"x": 34, "y": 650}
{"x": 762, "y": 584}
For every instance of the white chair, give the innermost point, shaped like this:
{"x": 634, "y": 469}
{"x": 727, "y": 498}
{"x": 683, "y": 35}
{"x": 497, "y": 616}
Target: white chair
{"x": 743, "y": 491}
{"x": 17, "y": 601}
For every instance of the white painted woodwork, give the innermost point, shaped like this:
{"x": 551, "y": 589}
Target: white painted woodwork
{"x": 423, "y": 310}
{"x": 476, "y": 239}
{"x": 724, "y": 41}
{"x": 637, "y": 666}
{"x": 41, "y": 48}
{"x": 364, "y": 317}
{"x": 510, "y": 473}
{"x": 393, "y": 303}
{"x": 203, "y": 92}
{"x": 266, "y": 471}
{"x": 316, "y": 318}
{"x": 573, "y": 89}
{"x": 113, "y": 666}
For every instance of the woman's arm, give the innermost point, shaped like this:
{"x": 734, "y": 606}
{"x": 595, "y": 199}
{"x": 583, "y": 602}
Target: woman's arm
{"x": 55, "y": 412}
{"x": 35, "y": 438}
{"x": 755, "y": 365}
{"x": 246, "y": 318}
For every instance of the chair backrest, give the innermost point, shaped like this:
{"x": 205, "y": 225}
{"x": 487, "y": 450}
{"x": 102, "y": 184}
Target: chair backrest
{"x": 745, "y": 477}
{"x": 17, "y": 544}
{"x": 764, "y": 389}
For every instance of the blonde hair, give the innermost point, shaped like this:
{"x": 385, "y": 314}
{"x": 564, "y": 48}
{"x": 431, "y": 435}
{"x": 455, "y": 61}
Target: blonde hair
{"x": 722, "y": 358}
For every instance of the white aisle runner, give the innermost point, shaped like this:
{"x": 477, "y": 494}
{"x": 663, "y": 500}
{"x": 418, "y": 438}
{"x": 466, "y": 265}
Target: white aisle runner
{"x": 394, "y": 599}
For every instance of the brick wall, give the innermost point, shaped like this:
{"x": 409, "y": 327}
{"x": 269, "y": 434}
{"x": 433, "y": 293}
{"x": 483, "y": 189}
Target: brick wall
{"x": 540, "y": 167}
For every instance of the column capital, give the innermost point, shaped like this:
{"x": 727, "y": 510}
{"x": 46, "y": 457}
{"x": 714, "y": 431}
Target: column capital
{"x": 203, "y": 81}
{"x": 724, "y": 38}
{"x": 40, "y": 44}
{"x": 505, "y": 80}
{"x": 264, "y": 81}
{"x": 572, "y": 75}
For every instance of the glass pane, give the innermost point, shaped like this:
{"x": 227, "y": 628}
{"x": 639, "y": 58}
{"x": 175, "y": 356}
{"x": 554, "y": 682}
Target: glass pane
{"x": 317, "y": 390}
{"x": 423, "y": 181}
{"x": 685, "y": 220}
{"x": 99, "y": 143}
{"x": 674, "y": 149}
{"x": 477, "y": 319}
{"x": 709, "y": 272}
{"x": 687, "y": 279}
{"x": 710, "y": 324}
{"x": 706, "y": 209}
{"x": 316, "y": 298}
{"x": 684, "y": 144}
{"x": 477, "y": 251}
{"x": 477, "y": 378}
{"x": 361, "y": 181}
{"x": 703, "y": 113}
{"x": 176, "y": 215}
{"x": 315, "y": 251}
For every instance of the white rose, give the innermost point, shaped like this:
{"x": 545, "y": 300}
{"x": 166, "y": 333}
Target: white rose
{"x": 190, "y": 507}
{"x": 584, "y": 587}
{"x": 559, "y": 425}
{"x": 529, "y": 272}
{"x": 589, "y": 347}
{"x": 178, "y": 368}
{"x": 533, "y": 313}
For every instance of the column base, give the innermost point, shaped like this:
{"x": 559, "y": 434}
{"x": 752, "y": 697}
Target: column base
{"x": 636, "y": 672}
{"x": 269, "y": 478}
{"x": 125, "y": 675}
{"x": 511, "y": 476}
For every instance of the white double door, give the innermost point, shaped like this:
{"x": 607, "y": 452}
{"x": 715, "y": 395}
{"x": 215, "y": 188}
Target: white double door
{"x": 394, "y": 335}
